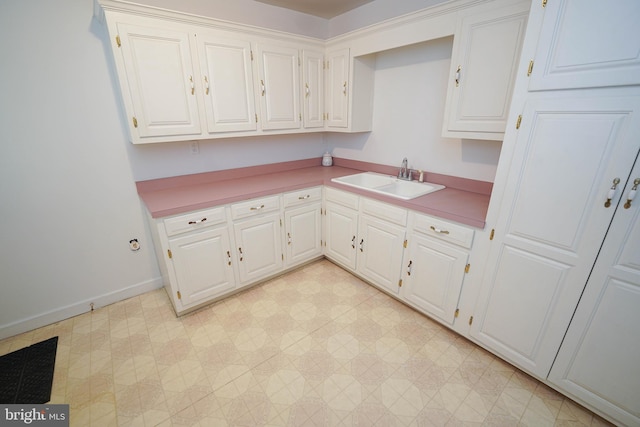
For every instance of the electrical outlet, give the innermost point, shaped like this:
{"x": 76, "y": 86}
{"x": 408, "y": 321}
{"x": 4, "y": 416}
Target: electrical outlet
{"x": 195, "y": 147}
{"x": 134, "y": 245}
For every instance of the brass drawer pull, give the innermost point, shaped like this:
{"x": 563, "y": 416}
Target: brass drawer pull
{"x": 438, "y": 230}
{"x": 198, "y": 221}
{"x": 257, "y": 208}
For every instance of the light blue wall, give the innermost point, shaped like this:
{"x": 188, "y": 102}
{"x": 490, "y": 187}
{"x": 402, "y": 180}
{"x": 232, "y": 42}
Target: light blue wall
{"x": 68, "y": 203}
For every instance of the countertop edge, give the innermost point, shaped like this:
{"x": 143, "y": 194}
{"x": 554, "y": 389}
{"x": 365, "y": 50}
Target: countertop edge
{"x": 455, "y": 204}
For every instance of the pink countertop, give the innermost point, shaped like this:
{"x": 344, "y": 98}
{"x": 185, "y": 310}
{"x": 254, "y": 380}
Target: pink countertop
{"x": 465, "y": 201}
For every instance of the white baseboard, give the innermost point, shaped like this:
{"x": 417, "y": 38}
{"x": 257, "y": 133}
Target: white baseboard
{"x": 62, "y": 313}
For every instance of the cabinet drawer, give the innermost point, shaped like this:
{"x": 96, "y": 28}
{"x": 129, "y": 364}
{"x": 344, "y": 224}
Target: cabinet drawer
{"x": 255, "y": 207}
{"x": 384, "y": 211}
{"x": 194, "y": 221}
{"x": 443, "y": 230}
{"x": 300, "y": 197}
{"x": 342, "y": 198}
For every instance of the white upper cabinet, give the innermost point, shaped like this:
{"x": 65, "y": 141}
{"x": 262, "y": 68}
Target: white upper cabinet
{"x": 484, "y": 62}
{"x": 278, "y": 88}
{"x": 158, "y": 82}
{"x": 608, "y": 57}
{"x": 227, "y": 81}
{"x": 337, "y": 90}
{"x": 313, "y": 89}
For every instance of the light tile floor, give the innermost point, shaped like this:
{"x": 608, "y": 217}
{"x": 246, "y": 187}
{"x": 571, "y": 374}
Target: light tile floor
{"x": 315, "y": 347}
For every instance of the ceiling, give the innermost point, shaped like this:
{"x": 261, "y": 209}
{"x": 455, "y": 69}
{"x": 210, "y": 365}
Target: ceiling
{"x": 323, "y": 8}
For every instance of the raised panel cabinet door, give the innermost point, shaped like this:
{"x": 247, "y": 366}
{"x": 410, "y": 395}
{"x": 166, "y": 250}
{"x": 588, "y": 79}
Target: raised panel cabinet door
{"x": 203, "y": 266}
{"x": 553, "y": 219}
{"x": 598, "y": 361}
{"x": 227, "y": 81}
{"x": 337, "y": 92}
{"x": 313, "y": 88}
{"x": 259, "y": 248}
{"x": 160, "y": 77}
{"x": 587, "y": 44}
{"x": 433, "y": 277}
{"x": 483, "y": 69}
{"x": 303, "y": 233}
{"x": 380, "y": 249}
{"x": 341, "y": 233}
{"x": 278, "y": 87}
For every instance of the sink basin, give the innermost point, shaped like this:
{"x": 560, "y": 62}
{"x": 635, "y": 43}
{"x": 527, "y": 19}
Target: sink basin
{"x": 388, "y": 185}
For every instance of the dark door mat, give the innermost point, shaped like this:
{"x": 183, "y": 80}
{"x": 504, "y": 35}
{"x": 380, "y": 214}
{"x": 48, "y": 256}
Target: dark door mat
{"x": 26, "y": 375}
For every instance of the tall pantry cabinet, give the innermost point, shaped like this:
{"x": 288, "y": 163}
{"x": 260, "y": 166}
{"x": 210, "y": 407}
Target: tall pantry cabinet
{"x": 560, "y": 296}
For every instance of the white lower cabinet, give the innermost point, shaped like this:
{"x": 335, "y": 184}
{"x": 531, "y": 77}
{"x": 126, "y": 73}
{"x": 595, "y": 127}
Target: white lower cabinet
{"x": 302, "y": 225}
{"x": 202, "y": 264}
{"x": 258, "y": 240}
{"x": 195, "y": 256}
{"x": 366, "y": 237}
{"x": 341, "y": 227}
{"x": 434, "y": 266}
{"x": 380, "y": 250}
{"x": 381, "y": 238}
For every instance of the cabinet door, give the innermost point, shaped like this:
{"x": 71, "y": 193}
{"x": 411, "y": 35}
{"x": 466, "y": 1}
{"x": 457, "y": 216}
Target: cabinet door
{"x": 337, "y": 92}
{"x": 598, "y": 360}
{"x": 313, "y": 90}
{"x": 340, "y": 234}
{"x": 160, "y": 78}
{"x": 303, "y": 233}
{"x": 278, "y": 86}
{"x": 483, "y": 68}
{"x": 259, "y": 247}
{"x": 227, "y": 81}
{"x": 202, "y": 263}
{"x": 434, "y": 276}
{"x": 587, "y": 44}
{"x": 380, "y": 249}
{"x": 552, "y": 221}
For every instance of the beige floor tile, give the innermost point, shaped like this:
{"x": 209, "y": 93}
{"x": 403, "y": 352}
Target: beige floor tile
{"x": 315, "y": 347}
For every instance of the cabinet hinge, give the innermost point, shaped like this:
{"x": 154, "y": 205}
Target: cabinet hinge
{"x": 118, "y": 43}
{"x": 300, "y": 115}
{"x": 169, "y": 253}
{"x": 251, "y": 52}
{"x": 280, "y": 222}
{"x": 400, "y": 283}
{"x": 179, "y": 295}
{"x": 405, "y": 243}
{"x": 135, "y": 122}
{"x": 299, "y": 63}
{"x": 530, "y": 69}
{"x": 457, "y": 313}
{"x": 519, "y": 121}
{"x": 467, "y": 267}
{"x": 256, "y": 117}
{"x": 544, "y": 3}
{"x": 493, "y": 232}
{"x": 283, "y": 257}
{"x": 470, "y": 320}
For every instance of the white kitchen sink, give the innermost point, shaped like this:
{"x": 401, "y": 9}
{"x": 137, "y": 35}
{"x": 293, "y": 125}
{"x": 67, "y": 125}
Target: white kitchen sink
{"x": 388, "y": 185}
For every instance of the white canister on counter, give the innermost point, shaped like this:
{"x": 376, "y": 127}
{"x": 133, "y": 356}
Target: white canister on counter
{"x": 327, "y": 160}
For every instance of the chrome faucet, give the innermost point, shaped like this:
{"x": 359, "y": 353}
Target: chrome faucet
{"x": 405, "y": 172}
